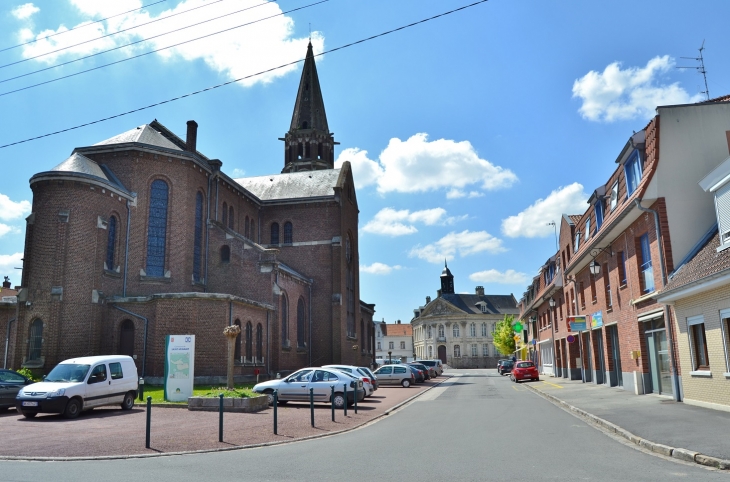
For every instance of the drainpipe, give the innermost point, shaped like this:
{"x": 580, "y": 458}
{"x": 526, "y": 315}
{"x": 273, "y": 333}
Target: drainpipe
{"x": 7, "y": 342}
{"x": 144, "y": 345}
{"x": 268, "y": 344}
{"x": 310, "y": 322}
{"x": 230, "y": 313}
{"x": 126, "y": 251}
{"x": 207, "y": 238}
{"x": 667, "y": 317}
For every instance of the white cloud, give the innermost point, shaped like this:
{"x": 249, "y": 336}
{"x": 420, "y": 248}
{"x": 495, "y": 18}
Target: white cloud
{"x": 10, "y": 210}
{"x": 8, "y": 263}
{"x": 465, "y": 243}
{"x": 532, "y": 222}
{"x": 420, "y": 165}
{"x": 379, "y": 268}
{"x": 509, "y": 277}
{"x": 390, "y": 222}
{"x": 24, "y": 11}
{"x": 233, "y": 54}
{"x": 5, "y": 229}
{"x": 237, "y": 172}
{"x": 634, "y": 92}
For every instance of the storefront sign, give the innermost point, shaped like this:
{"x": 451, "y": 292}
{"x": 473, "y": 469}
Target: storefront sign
{"x": 577, "y": 323}
{"x": 179, "y": 364}
{"x": 596, "y": 320}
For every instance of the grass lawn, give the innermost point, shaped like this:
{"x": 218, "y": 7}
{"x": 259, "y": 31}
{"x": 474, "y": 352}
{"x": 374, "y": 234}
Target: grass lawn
{"x": 157, "y": 392}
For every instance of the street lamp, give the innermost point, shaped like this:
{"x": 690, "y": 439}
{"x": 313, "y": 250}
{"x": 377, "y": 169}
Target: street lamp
{"x": 551, "y": 302}
{"x": 390, "y": 357}
{"x": 595, "y": 267}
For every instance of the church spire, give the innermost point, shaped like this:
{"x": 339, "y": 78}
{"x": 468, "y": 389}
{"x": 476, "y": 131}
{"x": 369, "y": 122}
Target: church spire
{"x": 447, "y": 281}
{"x": 309, "y": 145}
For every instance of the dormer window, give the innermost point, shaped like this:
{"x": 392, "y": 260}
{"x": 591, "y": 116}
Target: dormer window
{"x": 598, "y": 208}
{"x": 588, "y": 228}
{"x": 717, "y": 183}
{"x": 576, "y": 243}
{"x": 614, "y": 196}
{"x": 632, "y": 170}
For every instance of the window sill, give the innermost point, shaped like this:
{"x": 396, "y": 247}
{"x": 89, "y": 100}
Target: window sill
{"x": 701, "y": 373}
{"x": 301, "y": 350}
{"x": 352, "y": 338}
{"x": 112, "y": 274}
{"x": 155, "y": 279}
{"x": 623, "y": 286}
{"x": 594, "y": 302}
{"x": 727, "y": 375}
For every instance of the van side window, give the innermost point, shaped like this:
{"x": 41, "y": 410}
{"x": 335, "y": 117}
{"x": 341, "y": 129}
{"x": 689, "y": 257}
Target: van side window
{"x": 116, "y": 370}
{"x": 98, "y": 374}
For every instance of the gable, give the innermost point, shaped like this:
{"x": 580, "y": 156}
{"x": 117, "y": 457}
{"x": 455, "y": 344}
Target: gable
{"x": 440, "y": 307}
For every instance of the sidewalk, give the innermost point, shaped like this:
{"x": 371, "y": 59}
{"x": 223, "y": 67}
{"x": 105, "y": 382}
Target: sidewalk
{"x": 655, "y": 419}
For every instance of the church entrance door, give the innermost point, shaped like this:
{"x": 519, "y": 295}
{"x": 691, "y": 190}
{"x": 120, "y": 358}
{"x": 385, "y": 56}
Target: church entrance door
{"x": 442, "y": 354}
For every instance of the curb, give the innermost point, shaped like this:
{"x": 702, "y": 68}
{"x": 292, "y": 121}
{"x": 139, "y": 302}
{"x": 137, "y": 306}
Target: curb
{"x": 223, "y": 449}
{"x": 661, "y": 449}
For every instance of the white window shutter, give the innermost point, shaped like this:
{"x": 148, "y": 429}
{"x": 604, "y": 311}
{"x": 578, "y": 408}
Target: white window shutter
{"x": 722, "y": 205}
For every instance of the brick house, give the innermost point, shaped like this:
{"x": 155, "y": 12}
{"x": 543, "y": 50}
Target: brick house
{"x": 457, "y": 327}
{"x": 141, "y": 235}
{"x": 615, "y": 258}
{"x": 8, "y": 316}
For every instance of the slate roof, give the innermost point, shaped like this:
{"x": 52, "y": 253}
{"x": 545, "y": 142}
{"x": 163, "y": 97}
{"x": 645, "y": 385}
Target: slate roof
{"x": 706, "y": 263}
{"x": 80, "y": 164}
{"x": 496, "y": 304}
{"x": 396, "y": 329}
{"x": 143, "y": 134}
{"x": 294, "y": 185}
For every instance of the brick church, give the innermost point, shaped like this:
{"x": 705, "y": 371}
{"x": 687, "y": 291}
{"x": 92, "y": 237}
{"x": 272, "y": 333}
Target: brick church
{"x": 141, "y": 235}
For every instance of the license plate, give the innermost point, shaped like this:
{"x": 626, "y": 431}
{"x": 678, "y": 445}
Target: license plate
{"x": 30, "y": 404}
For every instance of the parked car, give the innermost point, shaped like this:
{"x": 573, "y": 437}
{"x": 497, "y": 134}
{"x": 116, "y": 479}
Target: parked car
{"x": 417, "y": 373}
{"x": 295, "y": 387}
{"x": 10, "y": 384}
{"x": 505, "y": 367}
{"x": 436, "y": 364}
{"x": 428, "y": 372}
{"x": 368, "y": 382}
{"x": 372, "y": 377}
{"x": 524, "y": 370}
{"x": 81, "y": 384}
{"x": 395, "y": 375}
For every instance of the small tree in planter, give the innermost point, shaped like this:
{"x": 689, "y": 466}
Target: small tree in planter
{"x": 231, "y": 333}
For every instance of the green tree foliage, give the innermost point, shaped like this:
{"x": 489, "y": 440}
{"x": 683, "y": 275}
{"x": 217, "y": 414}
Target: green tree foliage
{"x": 504, "y": 339}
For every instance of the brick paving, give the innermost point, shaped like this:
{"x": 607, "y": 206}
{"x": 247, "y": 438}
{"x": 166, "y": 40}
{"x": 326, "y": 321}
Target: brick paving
{"x": 109, "y": 431}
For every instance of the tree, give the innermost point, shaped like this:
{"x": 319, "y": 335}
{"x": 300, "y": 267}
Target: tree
{"x": 504, "y": 336}
{"x": 231, "y": 333}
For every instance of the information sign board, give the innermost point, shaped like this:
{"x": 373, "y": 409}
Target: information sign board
{"x": 179, "y": 366}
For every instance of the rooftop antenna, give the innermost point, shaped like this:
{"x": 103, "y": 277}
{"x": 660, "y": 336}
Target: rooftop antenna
{"x": 555, "y": 228}
{"x": 700, "y": 68}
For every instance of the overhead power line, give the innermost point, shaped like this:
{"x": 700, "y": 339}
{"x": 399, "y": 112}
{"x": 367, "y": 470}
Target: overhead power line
{"x": 190, "y": 94}
{"x": 122, "y": 31}
{"x": 80, "y": 26}
{"x": 151, "y": 51}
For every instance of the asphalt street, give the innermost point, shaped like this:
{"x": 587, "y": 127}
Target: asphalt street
{"x": 475, "y": 426}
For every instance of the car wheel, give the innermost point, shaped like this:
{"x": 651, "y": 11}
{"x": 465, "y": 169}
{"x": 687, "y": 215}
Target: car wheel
{"x": 270, "y": 395}
{"x": 73, "y": 409}
{"x": 128, "y": 401}
{"x": 406, "y": 383}
{"x": 339, "y": 400}
{"x": 29, "y": 414}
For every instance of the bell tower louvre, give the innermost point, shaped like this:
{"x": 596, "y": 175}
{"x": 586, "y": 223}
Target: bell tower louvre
{"x": 309, "y": 145}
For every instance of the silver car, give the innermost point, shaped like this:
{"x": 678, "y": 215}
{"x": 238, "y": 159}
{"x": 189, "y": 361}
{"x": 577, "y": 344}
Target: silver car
{"x": 295, "y": 387}
{"x": 368, "y": 379}
{"x": 395, "y": 375}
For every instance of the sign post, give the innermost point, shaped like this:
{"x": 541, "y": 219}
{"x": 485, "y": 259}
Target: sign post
{"x": 179, "y": 366}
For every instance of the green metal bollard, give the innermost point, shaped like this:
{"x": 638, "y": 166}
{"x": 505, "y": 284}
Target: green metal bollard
{"x": 220, "y": 417}
{"x": 345, "y": 395}
{"x": 311, "y": 405}
{"x": 276, "y": 403}
{"x": 140, "y": 389}
{"x": 332, "y": 401}
{"x": 354, "y": 396}
{"x": 149, "y": 421}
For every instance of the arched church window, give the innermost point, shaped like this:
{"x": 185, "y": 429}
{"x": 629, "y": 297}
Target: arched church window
{"x": 319, "y": 150}
{"x": 246, "y": 227}
{"x": 305, "y": 125}
{"x": 35, "y": 340}
{"x": 225, "y": 214}
{"x": 287, "y": 233}
{"x": 198, "y": 237}
{"x": 274, "y": 233}
{"x": 300, "y": 150}
{"x": 301, "y": 323}
{"x": 111, "y": 242}
{"x": 225, "y": 254}
{"x": 126, "y": 338}
{"x": 157, "y": 229}
{"x": 284, "y": 320}
{"x": 249, "y": 340}
{"x": 259, "y": 342}
{"x": 230, "y": 217}
{"x": 237, "y": 348}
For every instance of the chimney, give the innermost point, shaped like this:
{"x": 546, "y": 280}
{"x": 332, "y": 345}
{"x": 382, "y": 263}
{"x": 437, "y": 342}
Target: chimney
{"x": 438, "y": 293}
{"x": 480, "y": 290}
{"x": 397, "y": 322}
{"x": 428, "y": 299}
{"x": 6, "y": 283}
{"x": 192, "y": 138}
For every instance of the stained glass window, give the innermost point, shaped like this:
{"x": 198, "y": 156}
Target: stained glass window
{"x": 111, "y": 243}
{"x": 198, "y": 241}
{"x": 157, "y": 229}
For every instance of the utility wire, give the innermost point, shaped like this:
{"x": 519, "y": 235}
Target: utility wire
{"x": 81, "y": 26}
{"x": 190, "y": 94}
{"x": 126, "y": 45}
{"x": 151, "y": 51}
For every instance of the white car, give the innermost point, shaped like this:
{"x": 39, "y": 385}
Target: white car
{"x": 295, "y": 387}
{"x": 368, "y": 380}
{"x": 81, "y": 384}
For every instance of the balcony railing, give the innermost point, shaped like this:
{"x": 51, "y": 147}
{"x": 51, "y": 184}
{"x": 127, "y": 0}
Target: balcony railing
{"x": 647, "y": 274}
{"x": 440, "y": 338}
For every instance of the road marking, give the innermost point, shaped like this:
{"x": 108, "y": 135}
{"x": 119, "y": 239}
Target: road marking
{"x": 518, "y": 389}
{"x": 548, "y": 383}
{"x": 437, "y": 391}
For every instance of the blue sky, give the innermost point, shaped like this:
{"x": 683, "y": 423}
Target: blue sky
{"x": 468, "y": 134}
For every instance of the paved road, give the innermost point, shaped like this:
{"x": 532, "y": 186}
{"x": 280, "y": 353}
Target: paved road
{"x": 476, "y": 426}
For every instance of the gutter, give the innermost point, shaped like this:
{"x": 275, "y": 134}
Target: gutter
{"x": 144, "y": 345}
{"x": 7, "y": 342}
{"x": 699, "y": 286}
{"x": 126, "y": 250}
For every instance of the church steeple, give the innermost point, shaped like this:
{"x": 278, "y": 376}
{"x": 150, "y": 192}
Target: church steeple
{"x": 447, "y": 281}
{"x": 309, "y": 145}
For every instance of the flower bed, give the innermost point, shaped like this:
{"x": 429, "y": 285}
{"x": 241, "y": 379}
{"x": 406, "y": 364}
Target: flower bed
{"x": 230, "y": 404}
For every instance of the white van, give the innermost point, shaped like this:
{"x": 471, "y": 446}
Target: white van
{"x": 81, "y": 384}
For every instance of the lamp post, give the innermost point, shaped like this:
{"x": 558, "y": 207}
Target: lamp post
{"x": 551, "y": 304}
{"x": 390, "y": 357}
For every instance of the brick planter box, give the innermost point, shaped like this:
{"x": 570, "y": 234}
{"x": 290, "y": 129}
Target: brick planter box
{"x": 247, "y": 405}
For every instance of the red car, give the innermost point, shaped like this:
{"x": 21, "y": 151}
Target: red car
{"x": 524, "y": 370}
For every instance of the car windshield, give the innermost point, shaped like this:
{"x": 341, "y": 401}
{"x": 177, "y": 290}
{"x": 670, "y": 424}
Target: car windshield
{"x": 525, "y": 364}
{"x": 68, "y": 372}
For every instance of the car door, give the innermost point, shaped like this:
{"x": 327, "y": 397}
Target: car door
{"x": 385, "y": 375}
{"x": 321, "y": 385}
{"x": 399, "y": 373}
{"x": 97, "y": 386}
{"x": 10, "y": 385}
{"x": 296, "y": 386}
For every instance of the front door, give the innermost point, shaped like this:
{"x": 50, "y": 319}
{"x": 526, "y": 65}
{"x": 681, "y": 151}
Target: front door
{"x": 587, "y": 365}
{"x": 442, "y": 354}
{"x": 661, "y": 377}
{"x": 617, "y": 376}
{"x": 600, "y": 360}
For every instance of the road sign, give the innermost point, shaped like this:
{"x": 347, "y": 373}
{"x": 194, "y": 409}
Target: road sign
{"x": 518, "y": 337}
